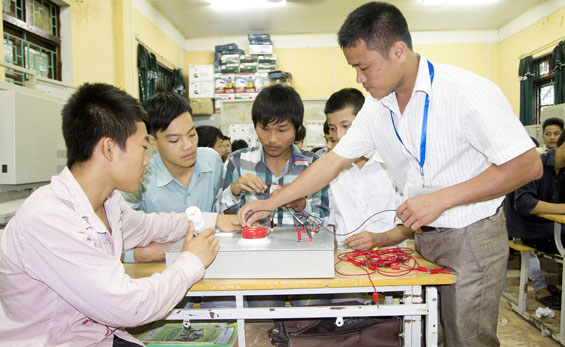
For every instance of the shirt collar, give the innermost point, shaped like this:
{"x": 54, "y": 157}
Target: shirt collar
{"x": 296, "y": 159}
{"x": 68, "y": 189}
{"x": 423, "y": 84}
{"x": 164, "y": 177}
{"x": 162, "y": 174}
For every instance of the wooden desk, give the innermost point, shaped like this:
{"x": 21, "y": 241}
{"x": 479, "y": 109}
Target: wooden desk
{"x": 413, "y": 305}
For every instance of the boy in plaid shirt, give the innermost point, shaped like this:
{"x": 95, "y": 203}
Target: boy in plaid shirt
{"x": 256, "y": 173}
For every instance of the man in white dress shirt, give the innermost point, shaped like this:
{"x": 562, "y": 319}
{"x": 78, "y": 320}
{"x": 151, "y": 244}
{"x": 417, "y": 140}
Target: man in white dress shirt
{"x": 453, "y": 147}
{"x": 363, "y": 199}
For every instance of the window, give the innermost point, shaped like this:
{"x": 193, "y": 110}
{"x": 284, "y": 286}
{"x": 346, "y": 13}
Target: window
{"x": 164, "y": 78}
{"x": 32, "y": 38}
{"x": 544, "y": 84}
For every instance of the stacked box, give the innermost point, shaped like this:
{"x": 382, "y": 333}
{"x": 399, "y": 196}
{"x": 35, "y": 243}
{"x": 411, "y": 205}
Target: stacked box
{"x": 224, "y": 83}
{"x": 202, "y": 106}
{"x": 219, "y": 99}
{"x": 259, "y": 39}
{"x": 262, "y": 80}
{"x": 201, "y": 88}
{"x": 198, "y": 73}
{"x": 245, "y": 83}
{"x": 201, "y": 81}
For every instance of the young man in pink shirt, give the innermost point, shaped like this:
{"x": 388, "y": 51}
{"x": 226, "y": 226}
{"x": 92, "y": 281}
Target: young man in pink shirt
{"x": 61, "y": 279}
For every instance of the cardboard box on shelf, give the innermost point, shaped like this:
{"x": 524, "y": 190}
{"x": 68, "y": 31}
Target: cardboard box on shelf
{"x": 266, "y": 67}
{"x": 202, "y": 106}
{"x": 224, "y": 83}
{"x": 267, "y": 58}
{"x": 248, "y": 59}
{"x": 230, "y": 59}
{"x": 259, "y": 37}
{"x": 220, "y": 99}
{"x": 198, "y": 73}
{"x": 262, "y": 80}
{"x": 245, "y": 83}
{"x": 229, "y": 68}
{"x": 248, "y": 67}
{"x": 260, "y": 49}
{"x": 203, "y": 89}
{"x": 245, "y": 96}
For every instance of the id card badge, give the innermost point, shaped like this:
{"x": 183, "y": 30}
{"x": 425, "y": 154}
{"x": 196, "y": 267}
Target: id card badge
{"x": 411, "y": 191}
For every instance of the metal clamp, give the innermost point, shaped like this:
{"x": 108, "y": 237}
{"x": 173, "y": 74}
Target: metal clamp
{"x": 339, "y": 322}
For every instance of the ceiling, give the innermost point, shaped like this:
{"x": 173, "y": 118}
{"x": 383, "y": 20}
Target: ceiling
{"x": 195, "y": 18}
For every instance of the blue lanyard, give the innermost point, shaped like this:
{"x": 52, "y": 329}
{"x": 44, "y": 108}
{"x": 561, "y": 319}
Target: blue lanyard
{"x": 424, "y": 127}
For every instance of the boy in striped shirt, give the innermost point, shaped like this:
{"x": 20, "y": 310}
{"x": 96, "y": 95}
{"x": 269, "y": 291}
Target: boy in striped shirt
{"x": 258, "y": 172}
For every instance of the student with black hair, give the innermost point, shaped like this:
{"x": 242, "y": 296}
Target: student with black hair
{"x": 362, "y": 189}
{"x": 453, "y": 175}
{"x": 545, "y": 195}
{"x": 62, "y": 281}
{"x": 551, "y": 130}
{"x": 330, "y": 141}
{"x": 238, "y": 144}
{"x": 255, "y": 173}
{"x": 180, "y": 175}
{"x": 209, "y": 136}
{"x": 226, "y": 148}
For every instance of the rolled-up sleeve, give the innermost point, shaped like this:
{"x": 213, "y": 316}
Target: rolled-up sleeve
{"x": 525, "y": 198}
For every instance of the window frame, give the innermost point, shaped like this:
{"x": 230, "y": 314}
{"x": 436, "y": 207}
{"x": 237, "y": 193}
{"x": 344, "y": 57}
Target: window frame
{"x": 541, "y": 81}
{"x": 24, "y": 30}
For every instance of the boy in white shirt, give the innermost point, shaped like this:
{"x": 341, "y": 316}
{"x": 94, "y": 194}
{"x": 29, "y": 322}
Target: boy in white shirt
{"x": 363, "y": 199}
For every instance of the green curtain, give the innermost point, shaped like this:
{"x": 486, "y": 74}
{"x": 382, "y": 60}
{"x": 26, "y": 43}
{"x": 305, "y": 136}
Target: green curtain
{"x": 526, "y": 75}
{"x": 143, "y": 68}
{"x": 178, "y": 82}
{"x": 558, "y": 67}
{"x": 152, "y": 75}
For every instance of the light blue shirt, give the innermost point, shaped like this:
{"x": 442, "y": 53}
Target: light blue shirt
{"x": 161, "y": 192}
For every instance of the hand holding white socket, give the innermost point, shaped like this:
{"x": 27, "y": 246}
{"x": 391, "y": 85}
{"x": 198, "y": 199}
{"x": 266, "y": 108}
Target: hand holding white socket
{"x": 194, "y": 215}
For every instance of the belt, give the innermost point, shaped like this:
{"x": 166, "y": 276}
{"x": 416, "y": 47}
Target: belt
{"x": 426, "y": 229}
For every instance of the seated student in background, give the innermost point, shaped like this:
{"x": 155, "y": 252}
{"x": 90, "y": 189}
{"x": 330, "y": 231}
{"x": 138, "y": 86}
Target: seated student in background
{"x": 330, "y": 141}
{"x": 180, "y": 175}
{"x": 226, "y": 148}
{"x": 362, "y": 190}
{"x": 211, "y": 137}
{"x": 551, "y": 130}
{"x": 546, "y": 195}
{"x": 238, "y": 144}
{"x": 61, "y": 279}
{"x": 300, "y": 136}
{"x": 254, "y": 173}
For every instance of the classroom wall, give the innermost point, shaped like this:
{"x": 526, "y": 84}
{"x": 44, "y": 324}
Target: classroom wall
{"x": 104, "y": 49}
{"x": 93, "y": 48}
{"x": 156, "y": 40}
{"x": 546, "y": 32}
{"x": 318, "y": 72}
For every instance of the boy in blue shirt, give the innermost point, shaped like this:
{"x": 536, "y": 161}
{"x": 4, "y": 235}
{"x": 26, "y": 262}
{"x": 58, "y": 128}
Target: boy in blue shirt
{"x": 180, "y": 175}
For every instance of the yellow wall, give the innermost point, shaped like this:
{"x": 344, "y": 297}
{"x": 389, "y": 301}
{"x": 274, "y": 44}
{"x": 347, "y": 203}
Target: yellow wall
{"x": 543, "y": 33}
{"x": 104, "y": 50}
{"x": 92, "y": 42}
{"x": 318, "y": 72}
{"x": 472, "y": 57}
